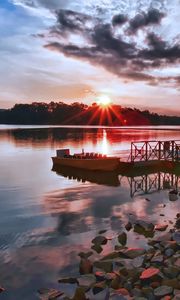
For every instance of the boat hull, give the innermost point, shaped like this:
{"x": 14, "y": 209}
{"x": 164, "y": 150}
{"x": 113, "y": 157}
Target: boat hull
{"x": 100, "y": 164}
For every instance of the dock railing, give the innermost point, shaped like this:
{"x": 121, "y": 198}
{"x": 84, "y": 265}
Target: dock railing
{"x": 155, "y": 150}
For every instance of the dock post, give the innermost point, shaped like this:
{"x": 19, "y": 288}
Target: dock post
{"x": 159, "y": 155}
{"x": 173, "y": 152}
{"x": 146, "y": 151}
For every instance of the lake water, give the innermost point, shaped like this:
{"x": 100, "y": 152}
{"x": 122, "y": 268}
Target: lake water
{"x": 47, "y": 218}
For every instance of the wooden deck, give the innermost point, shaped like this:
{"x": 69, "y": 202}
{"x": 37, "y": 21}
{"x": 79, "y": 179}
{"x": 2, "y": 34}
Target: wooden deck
{"x": 143, "y": 167}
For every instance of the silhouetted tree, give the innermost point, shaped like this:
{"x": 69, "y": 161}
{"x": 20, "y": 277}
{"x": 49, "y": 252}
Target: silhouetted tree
{"x": 59, "y": 113}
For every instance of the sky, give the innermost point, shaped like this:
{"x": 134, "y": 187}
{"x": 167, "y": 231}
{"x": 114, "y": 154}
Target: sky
{"x": 79, "y": 50}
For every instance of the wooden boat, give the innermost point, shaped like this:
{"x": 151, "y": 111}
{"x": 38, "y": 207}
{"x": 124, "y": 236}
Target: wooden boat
{"x": 87, "y": 161}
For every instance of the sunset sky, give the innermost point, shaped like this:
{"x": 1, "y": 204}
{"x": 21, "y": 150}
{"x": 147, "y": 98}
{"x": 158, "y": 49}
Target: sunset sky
{"x": 79, "y": 50}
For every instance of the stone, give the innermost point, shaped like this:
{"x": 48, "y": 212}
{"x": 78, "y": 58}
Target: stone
{"x": 133, "y": 252}
{"x": 100, "y": 240}
{"x": 173, "y": 197}
{"x": 149, "y": 273}
{"x": 163, "y": 291}
{"x": 106, "y": 266}
{"x": 157, "y": 259}
{"x": 86, "y": 280}
{"x": 100, "y": 276}
{"x": 176, "y": 236}
{"x": 177, "y": 263}
{"x": 169, "y": 252}
{"x": 155, "y": 284}
{"x": 123, "y": 292}
{"x": 171, "y": 271}
{"x": 163, "y": 237}
{"x": 85, "y": 254}
{"x": 85, "y": 266}
{"x": 136, "y": 292}
{"x": 173, "y": 283}
{"x": 138, "y": 261}
{"x": 161, "y": 227}
{"x": 128, "y": 226}
{"x": 99, "y": 287}
{"x": 50, "y": 293}
{"x": 178, "y": 223}
{"x": 79, "y": 294}
{"x": 122, "y": 238}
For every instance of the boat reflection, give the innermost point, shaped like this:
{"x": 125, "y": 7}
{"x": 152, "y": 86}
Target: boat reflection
{"x": 139, "y": 184}
{"x": 109, "y": 178}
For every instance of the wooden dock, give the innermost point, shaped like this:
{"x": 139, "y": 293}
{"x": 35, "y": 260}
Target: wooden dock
{"x": 152, "y": 154}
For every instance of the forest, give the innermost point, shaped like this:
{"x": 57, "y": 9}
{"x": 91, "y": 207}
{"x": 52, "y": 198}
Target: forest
{"x": 60, "y": 113}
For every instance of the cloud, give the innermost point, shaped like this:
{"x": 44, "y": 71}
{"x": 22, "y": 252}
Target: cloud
{"x": 160, "y": 50}
{"x": 70, "y": 20}
{"x": 106, "y": 49}
{"x": 119, "y": 19}
{"x": 152, "y": 17}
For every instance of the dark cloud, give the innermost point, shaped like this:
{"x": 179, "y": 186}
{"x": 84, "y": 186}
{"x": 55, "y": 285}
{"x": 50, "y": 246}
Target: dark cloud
{"x": 103, "y": 48}
{"x": 103, "y": 38}
{"x": 160, "y": 50}
{"x": 119, "y": 19}
{"x": 70, "y": 20}
{"x": 155, "y": 41}
{"x": 141, "y": 20}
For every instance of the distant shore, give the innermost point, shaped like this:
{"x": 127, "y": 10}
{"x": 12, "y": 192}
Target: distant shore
{"x": 78, "y": 114}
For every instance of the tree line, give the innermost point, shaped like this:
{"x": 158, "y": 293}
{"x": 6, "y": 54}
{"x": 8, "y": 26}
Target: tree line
{"x": 59, "y": 113}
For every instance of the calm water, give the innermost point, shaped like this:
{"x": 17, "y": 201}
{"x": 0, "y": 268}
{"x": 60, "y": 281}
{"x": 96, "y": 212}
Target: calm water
{"x": 46, "y": 218}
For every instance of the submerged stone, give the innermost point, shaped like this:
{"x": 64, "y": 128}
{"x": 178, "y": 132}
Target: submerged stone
{"x": 85, "y": 254}
{"x": 122, "y": 238}
{"x": 50, "y": 294}
{"x": 86, "y": 280}
{"x": 106, "y": 266}
{"x": 79, "y": 294}
{"x": 85, "y": 266}
{"x": 133, "y": 252}
{"x": 176, "y": 236}
{"x": 128, "y": 226}
{"x": 100, "y": 240}
{"x": 70, "y": 280}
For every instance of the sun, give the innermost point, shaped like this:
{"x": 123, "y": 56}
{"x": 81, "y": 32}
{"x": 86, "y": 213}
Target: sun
{"x": 104, "y": 100}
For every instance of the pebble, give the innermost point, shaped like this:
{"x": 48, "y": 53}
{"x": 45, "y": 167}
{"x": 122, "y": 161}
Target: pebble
{"x": 169, "y": 252}
{"x": 157, "y": 259}
{"x": 163, "y": 291}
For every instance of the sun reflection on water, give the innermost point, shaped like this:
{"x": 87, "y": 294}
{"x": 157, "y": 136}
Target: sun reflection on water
{"x": 105, "y": 147}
